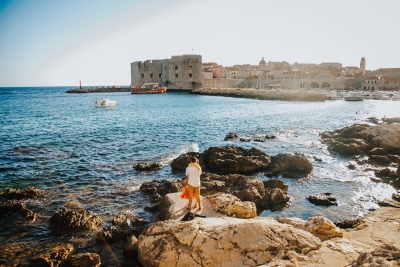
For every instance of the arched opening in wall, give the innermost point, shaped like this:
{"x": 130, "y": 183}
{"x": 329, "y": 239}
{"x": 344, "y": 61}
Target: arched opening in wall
{"x": 325, "y": 85}
{"x": 314, "y": 85}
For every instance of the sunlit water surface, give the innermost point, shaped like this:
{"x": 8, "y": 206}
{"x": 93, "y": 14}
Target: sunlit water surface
{"x": 83, "y": 155}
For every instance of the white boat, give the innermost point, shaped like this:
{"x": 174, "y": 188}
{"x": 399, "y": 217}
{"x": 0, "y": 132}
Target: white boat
{"x": 333, "y": 96}
{"x": 354, "y": 97}
{"x": 104, "y": 103}
{"x": 386, "y": 97}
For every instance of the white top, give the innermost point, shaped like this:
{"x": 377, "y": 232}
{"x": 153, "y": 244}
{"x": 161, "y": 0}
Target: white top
{"x": 194, "y": 176}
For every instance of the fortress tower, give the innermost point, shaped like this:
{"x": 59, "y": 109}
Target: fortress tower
{"x": 362, "y": 65}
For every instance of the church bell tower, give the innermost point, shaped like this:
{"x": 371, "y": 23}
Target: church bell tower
{"x": 362, "y": 65}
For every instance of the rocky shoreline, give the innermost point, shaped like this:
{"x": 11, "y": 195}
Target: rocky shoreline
{"x": 231, "y": 234}
{"x": 263, "y": 94}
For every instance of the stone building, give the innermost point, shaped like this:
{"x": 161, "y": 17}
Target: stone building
{"x": 178, "y": 73}
{"x": 377, "y": 83}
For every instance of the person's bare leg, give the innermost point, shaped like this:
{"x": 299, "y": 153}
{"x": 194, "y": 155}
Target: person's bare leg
{"x": 190, "y": 197}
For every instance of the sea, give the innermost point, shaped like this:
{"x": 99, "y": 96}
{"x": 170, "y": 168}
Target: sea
{"x": 83, "y": 156}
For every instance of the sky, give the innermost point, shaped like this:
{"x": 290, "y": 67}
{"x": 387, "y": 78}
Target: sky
{"x": 59, "y": 42}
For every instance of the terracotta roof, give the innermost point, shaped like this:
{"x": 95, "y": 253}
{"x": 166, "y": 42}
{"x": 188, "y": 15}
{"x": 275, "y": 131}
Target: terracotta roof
{"x": 390, "y": 70}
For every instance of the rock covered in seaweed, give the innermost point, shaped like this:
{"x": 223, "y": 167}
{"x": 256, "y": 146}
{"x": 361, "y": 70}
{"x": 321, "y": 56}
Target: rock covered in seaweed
{"x": 74, "y": 221}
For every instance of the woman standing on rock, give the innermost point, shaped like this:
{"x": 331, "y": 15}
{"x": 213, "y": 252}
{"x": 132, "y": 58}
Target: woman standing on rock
{"x": 193, "y": 172}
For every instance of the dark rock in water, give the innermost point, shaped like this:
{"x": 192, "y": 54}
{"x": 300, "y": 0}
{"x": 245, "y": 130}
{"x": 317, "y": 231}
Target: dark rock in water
{"x": 180, "y": 163}
{"x": 152, "y": 208}
{"x": 148, "y": 166}
{"x": 326, "y": 199}
{"x": 382, "y": 160}
{"x": 231, "y": 136}
{"x": 231, "y": 159}
{"x": 349, "y": 223}
{"x": 351, "y": 167}
{"x": 378, "y": 151}
{"x": 225, "y": 160}
{"x": 276, "y": 183}
{"x": 259, "y": 140}
{"x": 82, "y": 259}
{"x": 244, "y": 139}
{"x": 270, "y": 137}
{"x": 74, "y": 221}
{"x": 290, "y": 166}
{"x": 12, "y": 208}
{"x": 21, "y": 194}
{"x": 161, "y": 187}
{"x": 111, "y": 234}
{"x": 138, "y": 222}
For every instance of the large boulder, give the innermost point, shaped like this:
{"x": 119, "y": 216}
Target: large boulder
{"x": 232, "y": 206}
{"x": 226, "y": 160}
{"x": 290, "y": 166}
{"x": 360, "y": 139}
{"x": 74, "y": 221}
{"x": 245, "y": 188}
{"x": 231, "y": 159}
{"x": 180, "y": 163}
{"x": 161, "y": 187}
{"x": 224, "y": 242}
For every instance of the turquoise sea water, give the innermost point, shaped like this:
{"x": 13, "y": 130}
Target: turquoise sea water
{"x": 84, "y": 156}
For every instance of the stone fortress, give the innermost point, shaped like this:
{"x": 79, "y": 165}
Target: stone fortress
{"x": 188, "y": 72}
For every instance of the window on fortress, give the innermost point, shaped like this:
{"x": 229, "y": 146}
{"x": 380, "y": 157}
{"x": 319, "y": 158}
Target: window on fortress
{"x": 160, "y": 75}
{"x": 176, "y": 67}
{"x": 176, "y": 75}
{"x": 190, "y": 75}
{"x": 151, "y": 76}
{"x": 142, "y": 76}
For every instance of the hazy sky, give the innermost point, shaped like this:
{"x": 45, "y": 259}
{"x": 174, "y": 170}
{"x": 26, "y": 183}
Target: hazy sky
{"x": 59, "y": 42}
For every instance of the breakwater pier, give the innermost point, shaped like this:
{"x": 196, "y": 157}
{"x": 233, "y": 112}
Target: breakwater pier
{"x": 99, "y": 89}
{"x": 263, "y": 94}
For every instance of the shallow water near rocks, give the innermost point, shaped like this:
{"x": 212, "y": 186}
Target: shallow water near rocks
{"x": 83, "y": 156}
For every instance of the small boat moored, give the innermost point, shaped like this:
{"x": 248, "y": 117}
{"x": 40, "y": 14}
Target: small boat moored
{"x": 148, "y": 88}
{"x": 104, "y": 103}
{"x": 354, "y": 97}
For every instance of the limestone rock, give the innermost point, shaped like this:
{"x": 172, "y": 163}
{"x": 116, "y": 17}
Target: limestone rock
{"x": 180, "y": 163}
{"x": 77, "y": 221}
{"x": 56, "y": 256}
{"x": 322, "y": 226}
{"x": 32, "y": 192}
{"x": 223, "y": 242}
{"x": 232, "y": 206}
